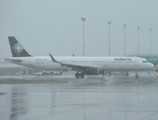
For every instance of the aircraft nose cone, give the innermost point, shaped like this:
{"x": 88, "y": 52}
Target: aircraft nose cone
{"x": 152, "y": 66}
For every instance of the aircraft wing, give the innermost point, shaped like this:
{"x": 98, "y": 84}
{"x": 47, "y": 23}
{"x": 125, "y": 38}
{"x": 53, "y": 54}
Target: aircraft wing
{"x": 74, "y": 66}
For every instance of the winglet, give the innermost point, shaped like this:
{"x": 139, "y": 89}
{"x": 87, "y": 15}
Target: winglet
{"x": 53, "y": 58}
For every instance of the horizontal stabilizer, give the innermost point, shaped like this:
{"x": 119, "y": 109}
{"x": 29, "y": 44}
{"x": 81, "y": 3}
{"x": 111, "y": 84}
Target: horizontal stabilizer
{"x": 13, "y": 60}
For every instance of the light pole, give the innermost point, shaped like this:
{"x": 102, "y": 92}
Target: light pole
{"x": 83, "y": 19}
{"x": 124, "y": 39}
{"x": 138, "y": 40}
{"x": 109, "y": 36}
{"x": 150, "y": 41}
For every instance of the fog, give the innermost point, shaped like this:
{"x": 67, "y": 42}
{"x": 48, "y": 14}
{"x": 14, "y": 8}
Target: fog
{"x": 55, "y": 26}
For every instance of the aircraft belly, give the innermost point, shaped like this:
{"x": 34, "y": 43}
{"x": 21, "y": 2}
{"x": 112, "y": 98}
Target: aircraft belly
{"x": 122, "y": 67}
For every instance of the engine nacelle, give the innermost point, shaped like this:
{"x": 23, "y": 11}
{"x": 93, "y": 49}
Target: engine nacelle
{"x": 91, "y": 71}
{"x": 156, "y": 68}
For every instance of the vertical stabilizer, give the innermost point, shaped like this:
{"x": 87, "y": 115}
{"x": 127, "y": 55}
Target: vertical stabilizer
{"x": 16, "y": 48}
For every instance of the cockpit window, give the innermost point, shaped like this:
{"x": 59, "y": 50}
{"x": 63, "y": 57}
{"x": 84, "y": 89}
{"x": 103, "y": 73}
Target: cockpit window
{"x": 145, "y": 61}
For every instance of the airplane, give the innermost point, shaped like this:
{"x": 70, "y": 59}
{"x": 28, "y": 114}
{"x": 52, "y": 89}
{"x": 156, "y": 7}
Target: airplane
{"x": 82, "y": 65}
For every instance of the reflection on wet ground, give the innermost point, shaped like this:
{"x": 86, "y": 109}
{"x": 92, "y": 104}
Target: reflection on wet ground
{"x": 110, "y": 98}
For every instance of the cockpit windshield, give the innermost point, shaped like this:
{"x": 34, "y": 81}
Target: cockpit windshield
{"x": 145, "y": 61}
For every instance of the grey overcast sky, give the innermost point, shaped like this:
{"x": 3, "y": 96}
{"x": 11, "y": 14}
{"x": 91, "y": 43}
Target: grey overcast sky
{"x": 55, "y": 26}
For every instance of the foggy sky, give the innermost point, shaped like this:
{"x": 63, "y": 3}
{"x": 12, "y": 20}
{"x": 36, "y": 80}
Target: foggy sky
{"x": 55, "y": 26}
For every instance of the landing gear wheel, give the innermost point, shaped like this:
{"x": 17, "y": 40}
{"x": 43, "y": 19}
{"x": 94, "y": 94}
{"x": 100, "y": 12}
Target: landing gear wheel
{"x": 80, "y": 75}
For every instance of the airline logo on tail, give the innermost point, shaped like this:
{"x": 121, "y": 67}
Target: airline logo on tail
{"x": 16, "y": 48}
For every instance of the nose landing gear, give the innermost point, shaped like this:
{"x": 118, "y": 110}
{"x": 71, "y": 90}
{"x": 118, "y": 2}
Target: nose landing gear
{"x": 136, "y": 75}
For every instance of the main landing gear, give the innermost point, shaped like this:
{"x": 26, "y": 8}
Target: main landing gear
{"x": 79, "y": 74}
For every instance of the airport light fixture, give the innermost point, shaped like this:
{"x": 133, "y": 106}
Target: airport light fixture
{"x": 124, "y": 39}
{"x": 109, "y": 36}
{"x": 83, "y": 19}
{"x": 150, "y": 41}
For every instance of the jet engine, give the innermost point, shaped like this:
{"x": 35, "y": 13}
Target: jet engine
{"x": 91, "y": 71}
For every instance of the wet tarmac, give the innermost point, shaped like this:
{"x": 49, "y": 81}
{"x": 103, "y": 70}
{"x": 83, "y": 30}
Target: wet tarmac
{"x": 115, "y": 97}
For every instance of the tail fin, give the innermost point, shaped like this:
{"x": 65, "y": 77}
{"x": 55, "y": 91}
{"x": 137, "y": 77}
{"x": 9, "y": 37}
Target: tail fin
{"x": 16, "y": 48}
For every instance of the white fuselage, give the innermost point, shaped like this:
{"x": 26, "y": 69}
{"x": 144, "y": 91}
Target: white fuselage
{"x": 102, "y": 63}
